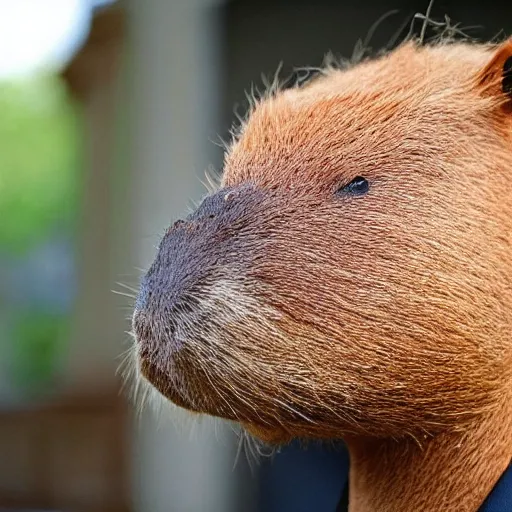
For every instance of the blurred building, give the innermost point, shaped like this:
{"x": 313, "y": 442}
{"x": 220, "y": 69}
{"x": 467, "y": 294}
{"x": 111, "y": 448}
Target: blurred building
{"x": 157, "y": 82}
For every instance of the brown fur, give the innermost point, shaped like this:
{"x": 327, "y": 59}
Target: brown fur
{"x": 383, "y": 319}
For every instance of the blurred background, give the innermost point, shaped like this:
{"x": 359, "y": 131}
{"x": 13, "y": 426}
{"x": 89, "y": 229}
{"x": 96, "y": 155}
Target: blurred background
{"x": 110, "y": 112}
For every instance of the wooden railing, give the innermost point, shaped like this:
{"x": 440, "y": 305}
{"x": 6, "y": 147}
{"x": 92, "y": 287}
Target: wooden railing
{"x": 71, "y": 456}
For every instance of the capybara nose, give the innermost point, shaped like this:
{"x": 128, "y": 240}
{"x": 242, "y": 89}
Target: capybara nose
{"x": 193, "y": 254}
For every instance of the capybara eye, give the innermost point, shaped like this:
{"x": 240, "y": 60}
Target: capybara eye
{"x": 358, "y": 186}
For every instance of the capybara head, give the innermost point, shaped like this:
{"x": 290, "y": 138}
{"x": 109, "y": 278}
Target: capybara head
{"x": 352, "y": 275}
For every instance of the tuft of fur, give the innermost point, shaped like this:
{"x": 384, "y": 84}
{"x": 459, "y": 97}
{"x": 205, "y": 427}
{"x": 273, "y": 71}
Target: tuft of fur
{"x": 441, "y": 33}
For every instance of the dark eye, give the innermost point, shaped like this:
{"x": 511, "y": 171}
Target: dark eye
{"x": 358, "y": 186}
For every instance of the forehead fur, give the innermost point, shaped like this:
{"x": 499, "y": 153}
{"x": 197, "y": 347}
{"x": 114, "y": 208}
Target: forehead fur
{"x": 411, "y": 102}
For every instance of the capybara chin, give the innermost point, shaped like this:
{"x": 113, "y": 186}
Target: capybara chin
{"x": 352, "y": 276}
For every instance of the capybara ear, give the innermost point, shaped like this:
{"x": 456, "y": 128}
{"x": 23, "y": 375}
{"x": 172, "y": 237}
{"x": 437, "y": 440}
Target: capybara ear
{"x": 496, "y": 77}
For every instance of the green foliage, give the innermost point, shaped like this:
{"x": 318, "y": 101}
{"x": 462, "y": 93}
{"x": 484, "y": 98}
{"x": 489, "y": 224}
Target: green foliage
{"x": 39, "y": 339}
{"x": 38, "y": 161}
{"x": 39, "y": 180}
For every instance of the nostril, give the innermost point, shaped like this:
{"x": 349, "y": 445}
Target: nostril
{"x": 175, "y": 226}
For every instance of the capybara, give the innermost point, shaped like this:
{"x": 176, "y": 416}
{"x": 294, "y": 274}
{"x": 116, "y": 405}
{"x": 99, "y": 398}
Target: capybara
{"x": 351, "y": 277}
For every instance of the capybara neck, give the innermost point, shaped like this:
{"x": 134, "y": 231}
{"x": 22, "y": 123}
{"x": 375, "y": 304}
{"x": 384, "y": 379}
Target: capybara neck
{"x": 451, "y": 471}
{"x": 352, "y": 276}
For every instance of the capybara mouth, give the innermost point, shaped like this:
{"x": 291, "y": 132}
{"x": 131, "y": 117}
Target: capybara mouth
{"x": 161, "y": 361}
{"x": 205, "y": 364}
{"x": 186, "y": 367}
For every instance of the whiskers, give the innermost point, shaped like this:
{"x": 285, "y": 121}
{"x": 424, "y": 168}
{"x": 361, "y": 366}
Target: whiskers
{"x": 126, "y": 292}
{"x": 253, "y": 449}
{"x": 148, "y": 401}
{"x": 133, "y": 385}
{"x": 213, "y": 179}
